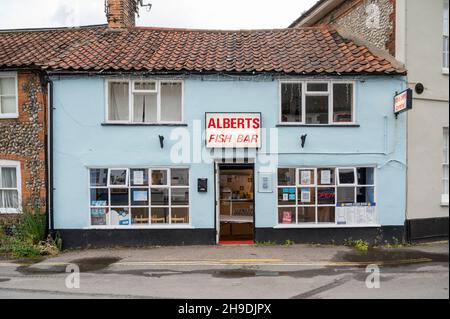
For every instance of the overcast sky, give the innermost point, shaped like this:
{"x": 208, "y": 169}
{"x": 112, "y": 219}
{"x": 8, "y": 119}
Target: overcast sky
{"x": 216, "y": 14}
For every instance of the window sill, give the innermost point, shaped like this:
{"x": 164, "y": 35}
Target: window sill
{"x": 9, "y": 116}
{"x": 9, "y": 211}
{"x": 445, "y": 204}
{"x": 144, "y": 124}
{"x": 168, "y": 227}
{"x": 445, "y": 71}
{"x": 318, "y": 125}
{"x": 303, "y": 226}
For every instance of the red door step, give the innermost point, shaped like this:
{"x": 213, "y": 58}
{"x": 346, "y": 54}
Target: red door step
{"x": 236, "y": 242}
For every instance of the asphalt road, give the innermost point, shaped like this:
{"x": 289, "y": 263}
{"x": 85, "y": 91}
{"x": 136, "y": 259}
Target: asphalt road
{"x": 417, "y": 276}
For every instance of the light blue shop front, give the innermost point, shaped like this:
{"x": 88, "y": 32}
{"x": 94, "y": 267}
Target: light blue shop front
{"x": 83, "y": 140}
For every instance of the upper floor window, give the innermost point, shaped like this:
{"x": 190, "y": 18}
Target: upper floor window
{"x": 9, "y": 186}
{"x": 445, "y": 54}
{"x": 317, "y": 102}
{"x": 8, "y": 95}
{"x": 145, "y": 101}
{"x": 445, "y": 169}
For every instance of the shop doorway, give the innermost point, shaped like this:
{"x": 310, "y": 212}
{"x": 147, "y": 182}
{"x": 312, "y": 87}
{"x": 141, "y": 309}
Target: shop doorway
{"x": 235, "y": 203}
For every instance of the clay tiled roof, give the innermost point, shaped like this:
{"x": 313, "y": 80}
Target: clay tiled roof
{"x": 291, "y": 51}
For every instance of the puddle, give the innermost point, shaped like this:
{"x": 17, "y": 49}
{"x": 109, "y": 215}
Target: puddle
{"x": 391, "y": 256}
{"x": 85, "y": 264}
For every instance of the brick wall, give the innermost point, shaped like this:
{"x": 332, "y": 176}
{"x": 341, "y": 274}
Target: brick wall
{"x": 121, "y": 13}
{"x": 24, "y": 139}
{"x": 352, "y": 16}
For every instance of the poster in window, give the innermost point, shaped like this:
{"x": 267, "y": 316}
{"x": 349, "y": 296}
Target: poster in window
{"x": 325, "y": 177}
{"x": 140, "y": 196}
{"x": 341, "y": 215}
{"x": 305, "y": 178}
{"x": 305, "y": 196}
{"x": 371, "y": 214}
{"x": 287, "y": 217}
{"x": 285, "y": 197}
{"x": 350, "y": 212}
{"x": 138, "y": 177}
{"x": 361, "y": 215}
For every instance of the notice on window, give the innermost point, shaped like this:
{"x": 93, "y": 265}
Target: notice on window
{"x": 305, "y": 178}
{"x": 341, "y": 215}
{"x": 285, "y": 197}
{"x": 138, "y": 177}
{"x": 325, "y": 177}
{"x": 287, "y": 217}
{"x": 305, "y": 196}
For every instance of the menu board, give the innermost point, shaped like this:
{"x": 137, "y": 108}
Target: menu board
{"x": 356, "y": 214}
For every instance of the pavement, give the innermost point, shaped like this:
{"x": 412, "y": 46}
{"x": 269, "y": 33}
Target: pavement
{"x": 234, "y": 272}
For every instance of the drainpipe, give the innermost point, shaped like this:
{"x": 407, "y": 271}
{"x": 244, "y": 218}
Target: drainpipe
{"x": 50, "y": 188}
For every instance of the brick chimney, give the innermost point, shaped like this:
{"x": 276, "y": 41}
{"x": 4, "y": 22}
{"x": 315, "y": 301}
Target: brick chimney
{"x": 121, "y": 14}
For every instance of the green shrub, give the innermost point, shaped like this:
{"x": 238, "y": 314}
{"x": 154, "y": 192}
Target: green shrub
{"x": 32, "y": 226}
{"x": 289, "y": 242}
{"x": 359, "y": 244}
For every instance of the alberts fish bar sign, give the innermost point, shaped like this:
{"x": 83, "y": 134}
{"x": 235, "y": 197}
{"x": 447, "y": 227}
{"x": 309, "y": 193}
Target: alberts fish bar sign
{"x": 233, "y": 130}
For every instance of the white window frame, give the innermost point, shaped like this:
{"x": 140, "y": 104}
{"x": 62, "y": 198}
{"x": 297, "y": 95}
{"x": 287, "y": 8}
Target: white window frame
{"x": 445, "y": 197}
{"x": 338, "y": 178}
{"x": 445, "y": 36}
{"x": 132, "y": 92}
{"x": 305, "y": 93}
{"x": 4, "y": 75}
{"x": 316, "y": 185}
{"x": 149, "y": 188}
{"x": 17, "y": 166}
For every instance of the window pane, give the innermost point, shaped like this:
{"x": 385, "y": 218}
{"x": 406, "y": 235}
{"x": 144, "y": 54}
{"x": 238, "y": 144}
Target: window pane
{"x": 317, "y": 110}
{"x": 9, "y": 178}
{"x": 347, "y": 176}
{"x": 118, "y": 177}
{"x": 99, "y": 176}
{"x": 180, "y": 215}
{"x": 306, "y": 214}
{"x": 326, "y": 176}
{"x": 119, "y": 196}
{"x": 180, "y": 196}
{"x": 120, "y": 216}
{"x": 160, "y": 197}
{"x": 99, "y": 197}
{"x": 345, "y": 195}
{"x": 159, "y": 177}
{"x": 342, "y": 103}
{"x": 326, "y": 196}
{"x": 317, "y": 87}
{"x": 8, "y": 105}
{"x": 10, "y": 199}
{"x": 307, "y": 196}
{"x": 286, "y": 176}
{"x": 99, "y": 217}
{"x": 171, "y": 102}
{"x": 366, "y": 175}
{"x": 118, "y": 108}
{"x": 1, "y": 199}
{"x": 145, "y": 108}
{"x": 291, "y": 102}
{"x": 160, "y": 215}
{"x": 286, "y": 215}
{"x": 326, "y": 214}
{"x": 286, "y": 196}
{"x": 145, "y": 86}
{"x": 180, "y": 177}
{"x": 365, "y": 195}
{"x": 139, "y": 177}
{"x": 7, "y": 86}
{"x": 140, "y": 216}
{"x": 139, "y": 197}
{"x": 307, "y": 177}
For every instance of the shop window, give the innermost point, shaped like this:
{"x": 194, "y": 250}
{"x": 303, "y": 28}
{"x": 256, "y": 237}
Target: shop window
{"x": 9, "y": 187}
{"x": 445, "y": 197}
{"x": 131, "y": 198}
{"x": 319, "y": 191}
{"x": 8, "y": 96}
{"x": 291, "y": 102}
{"x": 321, "y": 103}
{"x": 145, "y": 102}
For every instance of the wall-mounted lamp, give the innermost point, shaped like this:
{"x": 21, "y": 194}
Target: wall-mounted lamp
{"x": 161, "y": 141}
{"x": 303, "y": 139}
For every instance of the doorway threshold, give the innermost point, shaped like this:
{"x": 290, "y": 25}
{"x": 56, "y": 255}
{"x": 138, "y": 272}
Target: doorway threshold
{"x": 236, "y": 242}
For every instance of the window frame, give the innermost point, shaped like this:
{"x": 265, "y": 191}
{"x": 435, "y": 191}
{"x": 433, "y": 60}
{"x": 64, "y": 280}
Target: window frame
{"x": 317, "y": 186}
{"x": 445, "y": 36}
{"x": 445, "y": 197}
{"x": 305, "y": 93}
{"x": 17, "y": 166}
{"x": 16, "y": 86}
{"x": 132, "y": 92}
{"x": 149, "y": 206}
